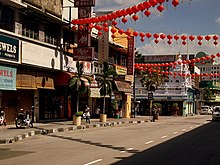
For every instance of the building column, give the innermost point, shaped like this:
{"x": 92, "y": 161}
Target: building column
{"x": 128, "y": 106}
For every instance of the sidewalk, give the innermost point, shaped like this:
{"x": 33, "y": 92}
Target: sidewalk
{"x": 10, "y": 134}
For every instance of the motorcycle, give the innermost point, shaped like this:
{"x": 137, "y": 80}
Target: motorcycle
{"x": 2, "y": 118}
{"x": 24, "y": 120}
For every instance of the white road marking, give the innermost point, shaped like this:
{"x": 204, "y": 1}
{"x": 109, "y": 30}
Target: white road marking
{"x": 191, "y": 127}
{"x": 163, "y": 137}
{"x": 129, "y": 149}
{"x": 149, "y": 142}
{"x": 95, "y": 161}
{"x": 205, "y": 122}
{"x": 122, "y": 151}
{"x": 183, "y": 129}
{"x": 197, "y": 125}
{"x": 175, "y": 133}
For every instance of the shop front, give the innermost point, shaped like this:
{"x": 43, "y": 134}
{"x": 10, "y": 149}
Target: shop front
{"x": 123, "y": 97}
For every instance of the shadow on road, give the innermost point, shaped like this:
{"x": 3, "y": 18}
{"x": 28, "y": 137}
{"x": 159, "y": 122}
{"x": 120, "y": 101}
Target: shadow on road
{"x": 93, "y": 143}
{"x": 200, "y": 146}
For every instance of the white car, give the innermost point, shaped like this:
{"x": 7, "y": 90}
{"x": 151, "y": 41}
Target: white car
{"x": 206, "y": 110}
{"x": 216, "y": 113}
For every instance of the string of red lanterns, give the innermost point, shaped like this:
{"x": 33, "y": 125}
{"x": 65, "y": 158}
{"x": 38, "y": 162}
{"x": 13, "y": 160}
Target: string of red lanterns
{"x": 143, "y": 66}
{"x": 141, "y": 7}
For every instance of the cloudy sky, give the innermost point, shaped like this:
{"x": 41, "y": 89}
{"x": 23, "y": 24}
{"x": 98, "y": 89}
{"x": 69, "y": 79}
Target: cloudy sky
{"x": 195, "y": 17}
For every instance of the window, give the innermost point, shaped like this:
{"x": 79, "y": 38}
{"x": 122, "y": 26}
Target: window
{"x": 123, "y": 60}
{"x": 6, "y": 18}
{"x": 30, "y": 27}
{"x": 52, "y": 33}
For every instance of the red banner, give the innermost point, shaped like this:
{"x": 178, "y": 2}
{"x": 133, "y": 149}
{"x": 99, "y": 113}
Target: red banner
{"x": 130, "y": 57}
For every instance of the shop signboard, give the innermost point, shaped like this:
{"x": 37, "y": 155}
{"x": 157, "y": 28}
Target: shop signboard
{"x": 83, "y": 3}
{"x": 9, "y": 48}
{"x": 103, "y": 45}
{"x": 120, "y": 70}
{"x": 84, "y": 54}
{"x": 7, "y": 78}
{"x": 130, "y": 57}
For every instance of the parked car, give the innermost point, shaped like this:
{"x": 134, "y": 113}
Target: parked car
{"x": 206, "y": 110}
{"x": 216, "y": 113}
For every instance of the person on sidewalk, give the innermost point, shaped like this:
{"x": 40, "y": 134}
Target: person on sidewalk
{"x": 154, "y": 113}
{"x": 87, "y": 114}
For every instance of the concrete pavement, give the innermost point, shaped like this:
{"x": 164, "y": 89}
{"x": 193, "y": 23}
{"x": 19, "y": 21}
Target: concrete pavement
{"x": 10, "y": 134}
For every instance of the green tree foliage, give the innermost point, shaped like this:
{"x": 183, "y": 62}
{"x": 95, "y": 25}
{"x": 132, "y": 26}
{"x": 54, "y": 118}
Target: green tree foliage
{"x": 105, "y": 81}
{"x": 77, "y": 84}
{"x": 207, "y": 94}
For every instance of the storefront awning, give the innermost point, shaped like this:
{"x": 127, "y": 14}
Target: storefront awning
{"x": 63, "y": 78}
{"x": 123, "y": 86}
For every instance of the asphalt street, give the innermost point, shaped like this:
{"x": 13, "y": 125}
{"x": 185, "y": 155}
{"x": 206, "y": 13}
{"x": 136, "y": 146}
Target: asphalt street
{"x": 177, "y": 141}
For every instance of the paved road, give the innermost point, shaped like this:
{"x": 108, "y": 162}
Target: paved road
{"x": 177, "y": 141}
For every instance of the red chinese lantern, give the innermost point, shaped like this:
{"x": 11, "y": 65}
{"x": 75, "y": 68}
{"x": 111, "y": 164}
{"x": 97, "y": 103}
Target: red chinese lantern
{"x": 160, "y": 8}
{"x": 124, "y": 20}
{"x": 74, "y": 27}
{"x": 128, "y": 37}
{"x": 207, "y": 37}
{"x": 215, "y": 43}
{"x": 213, "y": 56}
{"x": 200, "y": 43}
{"x": 191, "y": 38}
{"x": 215, "y": 37}
{"x": 135, "y": 33}
{"x": 100, "y": 33}
{"x": 128, "y": 32}
{"x": 199, "y": 38}
{"x": 218, "y": 54}
{"x": 113, "y": 30}
{"x": 156, "y": 35}
{"x": 129, "y": 11}
{"x": 169, "y": 42}
{"x": 176, "y": 37}
{"x": 156, "y": 41}
{"x": 183, "y": 37}
{"x": 135, "y": 17}
{"x": 162, "y": 36}
{"x": 147, "y": 13}
{"x": 106, "y": 29}
{"x": 148, "y": 35}
{"x": 153, "y": 2}
{"x": 147, "y": 4}
{"x": 121, "y": 31}
{"x": 81, "y": 27}
{"x": 175, "y": 3}
{"x": 113, "y": 36}
{"x": 142, "y": 40}
{"x": 140, "y": 7}
{"x": 169, "y": 37}
{"x": 184, "y": 42}
{"x": 141, "y": 34}
{"x": 114, "y": 23}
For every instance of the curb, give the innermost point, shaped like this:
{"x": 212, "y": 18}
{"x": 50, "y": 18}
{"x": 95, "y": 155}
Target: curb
{"x": 53, "y": 130}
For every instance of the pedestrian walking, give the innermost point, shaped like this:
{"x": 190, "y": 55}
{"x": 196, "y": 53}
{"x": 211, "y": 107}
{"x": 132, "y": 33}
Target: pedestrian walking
{"x": 154, "y": 113}
{"x": 97, "y": 112}
{"x": 87, "y": 114}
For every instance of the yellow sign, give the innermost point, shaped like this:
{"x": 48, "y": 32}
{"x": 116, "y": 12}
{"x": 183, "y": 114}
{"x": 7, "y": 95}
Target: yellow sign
{"x": 120, "y": 70}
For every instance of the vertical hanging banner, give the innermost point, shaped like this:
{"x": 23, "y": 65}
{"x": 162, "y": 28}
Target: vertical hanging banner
{"x": 84, "y": 51}
{"x": 103, "y": 46}
{"x": 130, "y": 56}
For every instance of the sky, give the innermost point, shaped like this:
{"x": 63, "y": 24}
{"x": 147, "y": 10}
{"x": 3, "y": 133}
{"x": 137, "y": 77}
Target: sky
{"x": 195, "y": 17}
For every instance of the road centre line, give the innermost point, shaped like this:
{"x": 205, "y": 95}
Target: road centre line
{"x": 149, "y": 142}
{"x": 163, "y": 137}
{"x": 95, "y": 161}
{"x": 129, "y": 149}
{"x": 175, "y": 133}
{"x": 183, "y": 129}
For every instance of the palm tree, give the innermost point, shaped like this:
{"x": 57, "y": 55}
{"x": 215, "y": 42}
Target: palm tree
{"x": 77, "y": 84}
{"x": 151, "y": 81}
{"x": 207, "y": 94}
{"x": 105, "y": 81}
